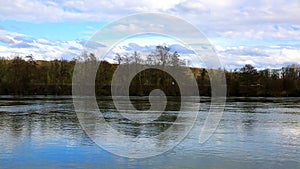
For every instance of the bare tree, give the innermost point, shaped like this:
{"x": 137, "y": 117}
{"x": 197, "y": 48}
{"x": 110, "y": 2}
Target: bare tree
{"x": 118, "y": 58}
{"x": 136, "y": 58}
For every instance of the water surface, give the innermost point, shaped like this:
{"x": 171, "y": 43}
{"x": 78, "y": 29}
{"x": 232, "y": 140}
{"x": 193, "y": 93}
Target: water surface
{"x": 44, "y": 132}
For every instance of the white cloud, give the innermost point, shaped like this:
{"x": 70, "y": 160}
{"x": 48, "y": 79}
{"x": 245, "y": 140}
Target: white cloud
{"x": 236, "y": 57}
{"x": 229, "y": 18}
{"x": 19, "y": 44}
{"x": 224, "y": 22}
{"x": 43, "y": 41}
{"x": 231, "y": 57}
{"x": 191, "y": 7}
{"x": 289, "y": 55}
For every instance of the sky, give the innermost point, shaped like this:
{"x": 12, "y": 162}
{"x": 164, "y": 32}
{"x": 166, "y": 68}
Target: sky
{"x": 264, "y": 33}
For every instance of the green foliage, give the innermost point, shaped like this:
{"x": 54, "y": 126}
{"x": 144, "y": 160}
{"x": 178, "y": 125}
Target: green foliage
{"x": 27, "y": 77}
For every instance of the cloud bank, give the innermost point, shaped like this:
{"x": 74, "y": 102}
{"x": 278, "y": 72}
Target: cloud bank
{"x": 259, "y": 32}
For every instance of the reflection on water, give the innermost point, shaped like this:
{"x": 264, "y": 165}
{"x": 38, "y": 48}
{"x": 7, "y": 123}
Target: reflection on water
{"x": 128, "y": 127}
{"x": 253, "y": 133}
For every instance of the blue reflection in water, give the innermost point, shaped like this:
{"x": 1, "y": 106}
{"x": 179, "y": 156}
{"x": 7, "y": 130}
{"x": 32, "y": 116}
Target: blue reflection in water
{"x": 254, "y": 133}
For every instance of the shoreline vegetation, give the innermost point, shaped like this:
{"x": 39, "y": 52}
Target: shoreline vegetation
{"x": 27, "y": 76}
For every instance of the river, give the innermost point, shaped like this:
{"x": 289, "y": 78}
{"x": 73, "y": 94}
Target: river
{"x": 44, "y": 132}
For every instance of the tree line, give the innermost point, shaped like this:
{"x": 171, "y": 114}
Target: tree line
{"x": 27, "y": 76}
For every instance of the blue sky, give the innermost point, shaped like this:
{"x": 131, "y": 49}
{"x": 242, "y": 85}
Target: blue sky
{"x": 64, "y": 31}
{"x": 260, "y": 32}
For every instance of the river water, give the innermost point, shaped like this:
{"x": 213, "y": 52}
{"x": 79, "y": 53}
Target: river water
{"x": 44, "y": 132}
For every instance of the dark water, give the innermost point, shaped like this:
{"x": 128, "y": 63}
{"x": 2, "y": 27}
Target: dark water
{"x": 43, "y": 132}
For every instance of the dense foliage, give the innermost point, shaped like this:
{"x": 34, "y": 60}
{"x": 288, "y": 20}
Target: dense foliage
{"x": 29, "y": 77}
